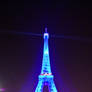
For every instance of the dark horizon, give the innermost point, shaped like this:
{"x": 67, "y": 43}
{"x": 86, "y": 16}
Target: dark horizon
{"x": 21, "y": 55}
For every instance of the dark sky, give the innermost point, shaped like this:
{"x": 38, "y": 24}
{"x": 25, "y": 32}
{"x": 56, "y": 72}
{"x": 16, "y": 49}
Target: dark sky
{"x": 21, "y": 55}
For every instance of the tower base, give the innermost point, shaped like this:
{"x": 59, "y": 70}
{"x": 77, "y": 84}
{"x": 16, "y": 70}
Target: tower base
{"x": 46, "y": 80}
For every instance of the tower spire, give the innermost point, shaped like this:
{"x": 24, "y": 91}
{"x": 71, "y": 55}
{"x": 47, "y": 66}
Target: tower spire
{"x": 46, "y": 69}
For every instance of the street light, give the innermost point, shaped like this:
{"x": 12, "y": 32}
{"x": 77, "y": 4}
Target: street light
{"x": 2, "y": 89}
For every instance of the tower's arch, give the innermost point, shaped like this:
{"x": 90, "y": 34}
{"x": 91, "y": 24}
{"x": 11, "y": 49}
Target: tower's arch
{"x": 46, "y": 88}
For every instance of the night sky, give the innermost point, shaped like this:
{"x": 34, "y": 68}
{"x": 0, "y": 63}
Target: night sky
{"x": 21, "y": 55}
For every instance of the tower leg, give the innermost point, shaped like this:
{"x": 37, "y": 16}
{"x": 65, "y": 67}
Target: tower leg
{"x": 39, "y": 87}
{"x": 52, "y": 86}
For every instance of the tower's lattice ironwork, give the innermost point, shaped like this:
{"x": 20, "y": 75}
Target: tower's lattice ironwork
{"x": 46, "y": 77}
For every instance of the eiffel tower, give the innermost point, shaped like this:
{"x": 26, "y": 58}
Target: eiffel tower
{"x": 46, "y": 77}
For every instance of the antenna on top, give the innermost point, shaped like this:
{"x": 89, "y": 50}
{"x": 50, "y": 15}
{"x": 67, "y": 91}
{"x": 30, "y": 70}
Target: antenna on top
{"x": 45, "y": 29}
{"x": 46, "y": 35}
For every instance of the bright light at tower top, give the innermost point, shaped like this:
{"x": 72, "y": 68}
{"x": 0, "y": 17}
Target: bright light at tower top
{"x": 46, "y": 34}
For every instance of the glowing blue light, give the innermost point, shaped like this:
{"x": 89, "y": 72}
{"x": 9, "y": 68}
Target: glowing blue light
{"x": 46, "y": 35}
{"x": 46, "y": 61}
{"x": 46, "y": 76}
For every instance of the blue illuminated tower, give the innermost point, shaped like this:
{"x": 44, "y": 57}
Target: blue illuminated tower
{"x": 46, "y": 77}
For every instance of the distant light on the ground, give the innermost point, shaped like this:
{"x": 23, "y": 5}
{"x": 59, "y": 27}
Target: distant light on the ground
{"x": 2, "y": 89}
